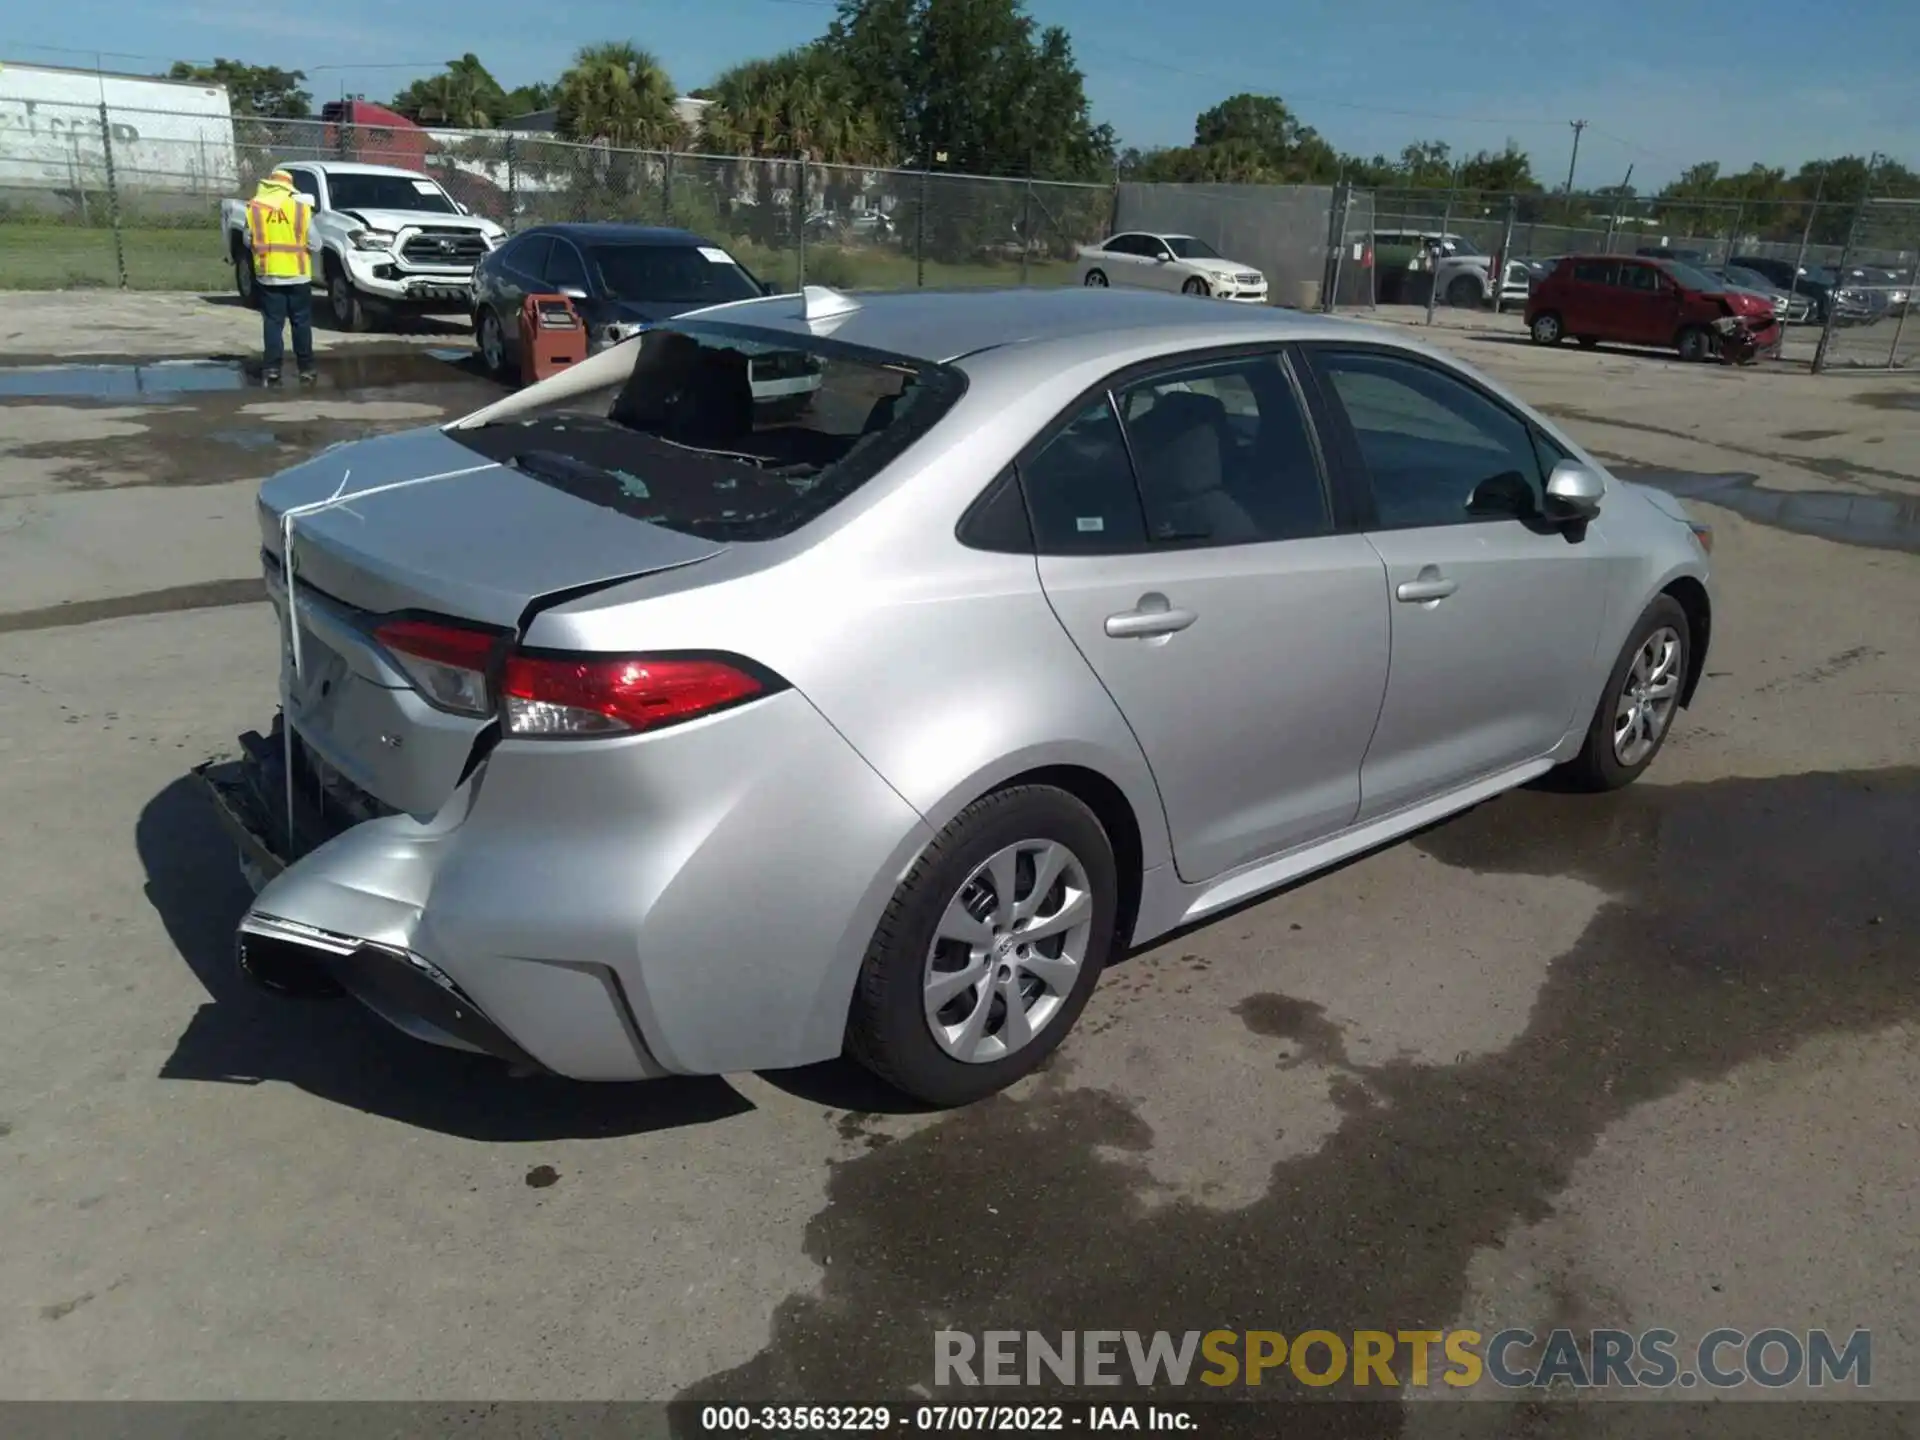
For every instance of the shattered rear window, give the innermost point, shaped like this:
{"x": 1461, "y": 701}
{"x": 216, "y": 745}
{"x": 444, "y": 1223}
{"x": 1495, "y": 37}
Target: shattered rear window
{"x": 726, "y": 432}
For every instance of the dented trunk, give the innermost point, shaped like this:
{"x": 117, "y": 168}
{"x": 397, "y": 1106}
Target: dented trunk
{"x": 410, "y": 525}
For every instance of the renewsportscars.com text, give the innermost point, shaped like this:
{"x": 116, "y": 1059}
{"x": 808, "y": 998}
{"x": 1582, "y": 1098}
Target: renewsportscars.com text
{"x": 1390, "y": 1359}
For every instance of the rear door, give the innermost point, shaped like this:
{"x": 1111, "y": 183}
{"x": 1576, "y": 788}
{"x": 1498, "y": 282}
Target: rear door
{"x": 1196, "y": 556}
{"x": 1495, "y": 613}
{"x": 1126, "y": 259}
{"x": 1589, "y": 309}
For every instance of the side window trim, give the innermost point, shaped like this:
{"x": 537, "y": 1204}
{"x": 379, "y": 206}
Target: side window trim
{"x": 1349, "y": 443}
{"x": 1344, "y": 513}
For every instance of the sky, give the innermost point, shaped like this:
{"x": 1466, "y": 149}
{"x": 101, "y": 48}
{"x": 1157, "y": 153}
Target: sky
{"x": 1661, "y": 84}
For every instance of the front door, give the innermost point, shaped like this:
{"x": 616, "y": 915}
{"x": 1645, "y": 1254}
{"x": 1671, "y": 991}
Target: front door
{"x": 1496, "y": 613}
{"x": 1194, "y": 561}
{"x": 1648, "y": 313}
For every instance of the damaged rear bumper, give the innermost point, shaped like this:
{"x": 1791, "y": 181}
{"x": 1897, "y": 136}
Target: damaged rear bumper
{"x": 251, "y": 801}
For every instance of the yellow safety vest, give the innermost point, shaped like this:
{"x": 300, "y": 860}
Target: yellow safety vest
{"x": 279, "y": 238}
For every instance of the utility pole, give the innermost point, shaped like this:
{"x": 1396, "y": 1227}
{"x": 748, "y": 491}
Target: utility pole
{"x": 1578, "y": 126}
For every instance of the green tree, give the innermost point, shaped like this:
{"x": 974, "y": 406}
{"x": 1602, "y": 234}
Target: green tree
{"x": 266, "y": 91}
{"x": 464, "y": 96}
{"x": 525, "y": 99}
{"x": 974, "y": 80}
{"x": 1506, "y": 172}
{"x": 619, "y": 93}
{"x": 1256, "y": 138}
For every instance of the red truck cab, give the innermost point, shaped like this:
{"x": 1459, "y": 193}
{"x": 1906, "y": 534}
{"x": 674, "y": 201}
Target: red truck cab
{"x": 1631, "y": 300}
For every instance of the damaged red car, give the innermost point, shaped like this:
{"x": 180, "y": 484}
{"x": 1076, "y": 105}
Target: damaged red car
{"x": 1629, "y": 300}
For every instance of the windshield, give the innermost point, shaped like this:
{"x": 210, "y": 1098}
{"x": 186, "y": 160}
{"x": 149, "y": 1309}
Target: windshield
{"x": 1186, "y": 247}
{"x": 681, "y": 274}
{"x": 1691, "y": 278}
{"x": 387, "y": 192}
{"x": 1460, "y": 245}
{"x": 728, "y": 433}
{"x": 1749, "y": 279}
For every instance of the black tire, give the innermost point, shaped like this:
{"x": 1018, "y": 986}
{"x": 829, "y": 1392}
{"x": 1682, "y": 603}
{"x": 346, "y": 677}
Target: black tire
{"x": 1598, "y": 765}
{"x": 1695, "y": 344}
{"x": 1463, "y": 293}
{"x": 887, "y": 1027}
{"x": 1195, "y": 286}
{"x": 344, "y": 304}
{"x": 1096, "y": 280}
{"x": 1587, "y": 342}
{"x": 494, "y": 360}
{"x": 245, "y": 283}
{"x": 1545, "y": 329}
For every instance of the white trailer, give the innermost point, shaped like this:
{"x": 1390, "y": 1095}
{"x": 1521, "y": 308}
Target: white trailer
{"x": 167, "y": 136}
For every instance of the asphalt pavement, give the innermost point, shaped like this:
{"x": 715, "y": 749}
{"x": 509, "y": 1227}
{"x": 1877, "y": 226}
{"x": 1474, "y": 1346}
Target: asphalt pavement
{"x": 1640, "y": 1060}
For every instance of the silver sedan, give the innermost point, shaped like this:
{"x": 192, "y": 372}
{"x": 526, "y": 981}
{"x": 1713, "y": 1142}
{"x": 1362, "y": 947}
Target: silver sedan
{"x": 630, "y": 727}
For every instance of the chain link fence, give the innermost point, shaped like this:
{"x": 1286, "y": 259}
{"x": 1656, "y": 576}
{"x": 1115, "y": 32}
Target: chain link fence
{"x": 1880, "y": 263}
{"x": 1298, "y": 236}
{"x": 133, "y": 198}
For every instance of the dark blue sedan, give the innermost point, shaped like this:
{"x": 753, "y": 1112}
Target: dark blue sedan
{"x": 618, "y": 276}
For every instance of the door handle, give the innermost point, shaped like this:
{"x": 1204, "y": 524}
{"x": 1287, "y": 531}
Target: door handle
{"x": 1148, "y": 621}
{"x": 1432, "y": 587}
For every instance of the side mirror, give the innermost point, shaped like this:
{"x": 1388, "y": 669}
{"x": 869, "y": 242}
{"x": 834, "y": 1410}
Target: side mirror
{"x": 461, "y": 208}
{"x": 1574, "y": 491}
{"x": 1164, "y": 257}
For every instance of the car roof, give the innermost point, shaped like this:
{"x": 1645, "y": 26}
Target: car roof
{"x": 947, "y": 325}
{"x": 615, "y": 230}
{"x": 354, "y": 167}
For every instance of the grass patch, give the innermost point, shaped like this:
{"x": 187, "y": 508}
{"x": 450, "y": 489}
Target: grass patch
{"x": 78, "y": 257}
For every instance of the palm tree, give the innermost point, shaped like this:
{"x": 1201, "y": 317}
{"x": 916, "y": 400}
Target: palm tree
{"x": 619, "y": 93}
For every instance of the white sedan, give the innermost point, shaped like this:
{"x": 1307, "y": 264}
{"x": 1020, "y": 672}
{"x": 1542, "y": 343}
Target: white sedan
{"x": 1170, "y": 262}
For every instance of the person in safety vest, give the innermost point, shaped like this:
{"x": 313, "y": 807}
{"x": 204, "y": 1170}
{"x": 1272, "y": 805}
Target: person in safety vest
{"x": 277, "y": 221}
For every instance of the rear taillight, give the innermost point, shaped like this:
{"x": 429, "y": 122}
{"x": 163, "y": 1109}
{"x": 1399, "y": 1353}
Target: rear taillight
{"x": 560, "y": 696}
{"x": 448, "y": 664}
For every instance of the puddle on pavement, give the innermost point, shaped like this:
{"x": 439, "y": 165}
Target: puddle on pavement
{"x": 160, "y": 381}
{"x": 1884, "y": 522}
{"x": 1890, "y": 400}
{"x": 1744, "y": 917}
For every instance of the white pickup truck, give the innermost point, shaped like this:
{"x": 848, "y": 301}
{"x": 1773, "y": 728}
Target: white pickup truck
{"x": 385, "y": 242}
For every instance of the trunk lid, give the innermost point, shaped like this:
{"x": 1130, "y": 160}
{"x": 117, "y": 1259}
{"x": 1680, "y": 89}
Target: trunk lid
{"x": 480, "y": 542}
{"x": 460, "y": 536}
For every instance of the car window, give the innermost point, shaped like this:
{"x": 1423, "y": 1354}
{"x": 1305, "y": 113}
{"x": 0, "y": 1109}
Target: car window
{"x": 1123, "y": 245}
{"x": 564, "y": 269}
{"x": 304, "y": 183}
{"x": 1080, "y": 488}
{"x": 352, "y": 191}
{"x": 1691, "y": 278}
{"x": 1188, "y": 248}
{"x": 705, "y": 436}
{"x": 529, "y": 255}
{"x": 1223, "y": 455}
{"x": 1437, "y": 451}
{"x": 1594, "y": 272}
{"x": 1550, "y": 452}
{"x": 1638, "y": 277}
{"x": 676, "y": 274}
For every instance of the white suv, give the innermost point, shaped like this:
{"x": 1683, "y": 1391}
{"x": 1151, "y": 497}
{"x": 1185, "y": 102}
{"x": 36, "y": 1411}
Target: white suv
{"x": 1170, "y": 262}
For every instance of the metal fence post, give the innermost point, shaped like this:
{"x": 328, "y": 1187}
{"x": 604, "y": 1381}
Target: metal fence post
{"x": 113, "y": 198}
{"x": 1839, "y": 281}
{"x": 1506, "y": 252}
{"x": 513, "y": 203}
{"x": 1336, "y": 229}
{"x": 1806, "y": 235}
{"x": 1733, "y": 235}
{"x": 666, "y": 188}
{"x": 800, "y": 222}
{"x": 920, "y": 232}
{"x": 1446, "y": 224}
{"x": 1893, "y": 350}
{"x": 1026, "y": 223}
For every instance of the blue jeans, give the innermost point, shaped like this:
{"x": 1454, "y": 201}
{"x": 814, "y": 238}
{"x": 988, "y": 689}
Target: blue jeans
{"x": 286, "y": 305}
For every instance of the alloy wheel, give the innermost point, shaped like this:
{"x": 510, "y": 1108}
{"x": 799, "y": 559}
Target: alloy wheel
{"x": 1007, "y": 951}
{"x": 1647, "y": 699}
{"x": 493, "y": 348}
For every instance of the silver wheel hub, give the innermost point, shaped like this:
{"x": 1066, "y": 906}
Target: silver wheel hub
{"x": 1007, "y": 951}
{"x": 1648, "y": 698}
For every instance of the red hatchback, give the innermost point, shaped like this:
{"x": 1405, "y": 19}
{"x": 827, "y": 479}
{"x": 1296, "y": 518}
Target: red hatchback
{"x": 1635, "y": 301}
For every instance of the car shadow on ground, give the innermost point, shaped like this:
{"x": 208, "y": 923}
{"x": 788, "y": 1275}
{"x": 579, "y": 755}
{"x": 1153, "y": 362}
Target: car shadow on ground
{"x": 336, "y": 1050}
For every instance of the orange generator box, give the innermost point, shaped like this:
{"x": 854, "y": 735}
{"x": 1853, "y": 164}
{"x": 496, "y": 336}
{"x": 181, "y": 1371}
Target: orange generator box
{"x": 552, "y": 337}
